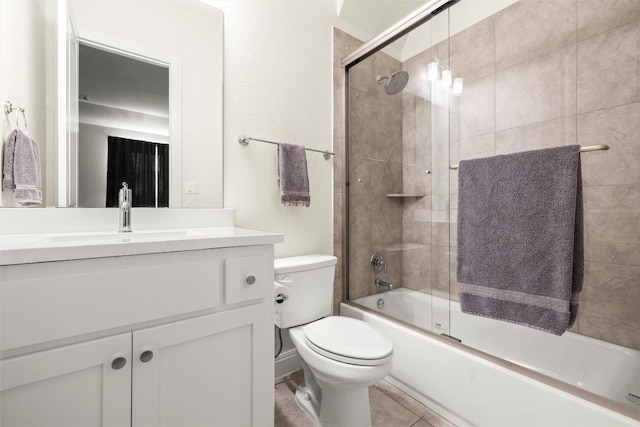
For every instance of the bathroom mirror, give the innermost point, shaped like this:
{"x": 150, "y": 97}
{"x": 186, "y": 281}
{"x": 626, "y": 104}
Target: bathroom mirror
{"x": 125, "y": 133}
{"x": 184, "y": 36}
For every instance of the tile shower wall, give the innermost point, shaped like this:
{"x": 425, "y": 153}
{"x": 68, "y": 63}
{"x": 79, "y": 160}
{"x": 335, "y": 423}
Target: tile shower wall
{"x": 547, "y": 73}
{"x": 375, "y": 153}
{"x": 536, "y": 74}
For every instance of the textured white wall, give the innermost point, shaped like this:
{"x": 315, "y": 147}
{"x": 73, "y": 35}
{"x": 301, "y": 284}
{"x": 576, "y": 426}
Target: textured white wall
{"x": 278, "y": 86}
{"x": 22, "y": 55}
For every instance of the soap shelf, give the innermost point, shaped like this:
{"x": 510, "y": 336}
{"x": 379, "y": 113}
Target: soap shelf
{"x": 404, "y": 195}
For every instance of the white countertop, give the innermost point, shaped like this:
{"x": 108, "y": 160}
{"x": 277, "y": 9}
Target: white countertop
{"x": 30, "y": 248}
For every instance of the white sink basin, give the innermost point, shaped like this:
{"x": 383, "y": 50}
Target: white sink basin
{"x": 115, "y": 237}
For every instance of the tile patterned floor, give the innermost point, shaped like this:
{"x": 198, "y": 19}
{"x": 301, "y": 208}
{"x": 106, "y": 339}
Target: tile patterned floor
{"x": 390, "y": 407}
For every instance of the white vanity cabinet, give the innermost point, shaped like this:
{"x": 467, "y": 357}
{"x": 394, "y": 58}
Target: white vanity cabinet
{"x": 163, "y": 339}
{"x": 74, "y": 385}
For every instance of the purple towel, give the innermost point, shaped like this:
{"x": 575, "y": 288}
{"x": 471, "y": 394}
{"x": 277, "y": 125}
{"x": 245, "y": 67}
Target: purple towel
{"x": 520, "y": 238}
{"x": 293, "y": 179}
{"x": 21, "y": 169}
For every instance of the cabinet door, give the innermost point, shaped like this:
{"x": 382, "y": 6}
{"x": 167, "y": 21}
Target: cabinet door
{"x": 77, "y": 385}
{"x": 214, "y": 370}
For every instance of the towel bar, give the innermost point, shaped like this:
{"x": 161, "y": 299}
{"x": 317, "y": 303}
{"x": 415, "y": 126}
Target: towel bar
{"x": 244, "y": 140}
{"x": 599, "y": 147}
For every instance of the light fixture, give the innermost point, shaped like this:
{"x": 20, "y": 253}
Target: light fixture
{"x": 457, "y": 86}
{"x": 446, "y": 77}
{"x": 433, "y": 71}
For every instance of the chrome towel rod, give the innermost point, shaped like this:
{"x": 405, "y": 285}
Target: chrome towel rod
{"x": 244, "y": 140}
{"x": 599, "y": 147}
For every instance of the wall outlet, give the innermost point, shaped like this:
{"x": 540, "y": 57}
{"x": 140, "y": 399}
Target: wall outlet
{"x": 193, "y": 188}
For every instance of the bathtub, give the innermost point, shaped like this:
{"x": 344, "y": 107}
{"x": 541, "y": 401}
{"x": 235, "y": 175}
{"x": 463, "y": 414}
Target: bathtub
{"x": 537, "y": 379}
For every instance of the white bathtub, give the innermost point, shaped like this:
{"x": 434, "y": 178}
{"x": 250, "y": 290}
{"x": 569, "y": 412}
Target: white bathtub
{"x": 470, "y": 387}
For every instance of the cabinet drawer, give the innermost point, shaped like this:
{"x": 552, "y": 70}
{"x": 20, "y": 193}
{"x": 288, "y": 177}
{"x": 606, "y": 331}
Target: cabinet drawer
{"x": 247, "y": 278}
{"x": 55, "y": 300}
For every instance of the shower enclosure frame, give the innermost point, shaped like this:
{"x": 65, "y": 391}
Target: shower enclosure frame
{"x": 415, "y": 19}
{"x": 400, "y": 29}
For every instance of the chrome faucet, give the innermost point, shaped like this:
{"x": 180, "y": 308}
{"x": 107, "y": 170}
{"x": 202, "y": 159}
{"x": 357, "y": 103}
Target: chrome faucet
{"x": 124, "y": 206}
{"x": 382, "y": 284}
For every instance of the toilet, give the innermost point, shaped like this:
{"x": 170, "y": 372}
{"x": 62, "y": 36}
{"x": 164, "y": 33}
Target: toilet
{"x": 341, "y": 356}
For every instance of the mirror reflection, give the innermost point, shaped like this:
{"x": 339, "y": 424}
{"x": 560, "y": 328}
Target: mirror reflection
{"x": 67, "y": 112}
{"x": 123, "y": 128}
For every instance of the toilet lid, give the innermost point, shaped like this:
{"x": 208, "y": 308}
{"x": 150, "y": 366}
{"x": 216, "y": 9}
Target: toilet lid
{"x": 348, "y": 340}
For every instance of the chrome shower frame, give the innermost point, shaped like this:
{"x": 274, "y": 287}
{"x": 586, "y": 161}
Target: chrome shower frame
{"x": 416, "y": 18}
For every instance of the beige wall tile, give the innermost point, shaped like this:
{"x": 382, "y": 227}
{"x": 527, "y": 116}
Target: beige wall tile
{"x": 423, "y": 111}
{"x": 361, "y": 115}
{"x": 473, "y": 50}
{"x": 338, "y": 166}
{"x": 551, "y": 133}
{"x": 612, "y": 330}
{"x": 338, "y": 222}
{"x": 408, "y": 129}
{"x": 416, "y": 263}
{"x": 475, "y": 147}
{"x": 611, "y": 290}
{"x": 386, "y": 218}
{"x": 338, "y": 109}
{"x": 476, "y": 107}
{"x": 539, "y": 90}
{"x": 608, "y": 69}
{"x": 625, "y": 253}
{"x": 609, "y": 302}
{"x": 613, "y": 226}
{"x": 360, "y": 275}
{"x": 617, "y": 197}
{"x": 596, "y": 16}
{"x": 530, "y": 28}
{"x": 619, "y": 128}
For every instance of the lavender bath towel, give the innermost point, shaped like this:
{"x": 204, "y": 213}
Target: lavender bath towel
{"x": 8, "y": 183}
{"x": 21, "y": 169}
{"x": 293, "y": 178}
{"x": 520, "y": 237}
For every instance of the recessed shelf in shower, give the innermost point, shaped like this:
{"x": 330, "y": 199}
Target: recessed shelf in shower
{"x": 404, "y": 195}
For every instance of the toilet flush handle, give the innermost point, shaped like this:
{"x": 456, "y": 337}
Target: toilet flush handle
{"x": 284, "y": 280}
{"x": 280, "y": 298}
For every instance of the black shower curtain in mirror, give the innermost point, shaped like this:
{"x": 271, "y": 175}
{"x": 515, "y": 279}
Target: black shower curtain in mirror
{"x": 134, "y": 162}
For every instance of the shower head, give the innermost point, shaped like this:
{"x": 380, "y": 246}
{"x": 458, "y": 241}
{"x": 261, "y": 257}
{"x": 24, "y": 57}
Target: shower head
{"x": 395, "y": 83}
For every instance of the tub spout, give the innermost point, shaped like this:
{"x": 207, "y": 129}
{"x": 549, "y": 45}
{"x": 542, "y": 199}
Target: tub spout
{"x": 382, "y": 284}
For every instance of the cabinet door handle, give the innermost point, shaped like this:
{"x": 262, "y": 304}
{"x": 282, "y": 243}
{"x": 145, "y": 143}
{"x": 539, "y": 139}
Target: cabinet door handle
{"x": 118, "y": 363}
{"x": 146, "y": 356}
{"x": 251, "y": 280}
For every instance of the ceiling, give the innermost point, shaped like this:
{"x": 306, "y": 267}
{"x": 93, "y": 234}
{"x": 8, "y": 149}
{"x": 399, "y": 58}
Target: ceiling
{"x": 117, "y": 81}
{"x": 375, "y": 16}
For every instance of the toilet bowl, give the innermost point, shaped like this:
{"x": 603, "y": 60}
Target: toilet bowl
{"x": 341, "y": 356}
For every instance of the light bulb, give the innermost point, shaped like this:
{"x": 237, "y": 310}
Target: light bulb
{"x": 457, "y": 86}
{"x": 433, "y": 71}
{"x": 446, "y": 78}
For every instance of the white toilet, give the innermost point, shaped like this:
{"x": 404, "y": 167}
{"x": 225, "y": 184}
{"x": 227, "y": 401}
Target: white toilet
{"x": 341, "y": 356}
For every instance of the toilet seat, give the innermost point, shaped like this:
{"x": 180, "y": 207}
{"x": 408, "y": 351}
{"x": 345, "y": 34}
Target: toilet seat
{"x": 348, "y": 340}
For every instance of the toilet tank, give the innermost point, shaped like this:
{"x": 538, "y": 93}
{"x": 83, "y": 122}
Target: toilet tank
{"x": 307, "y": 283}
